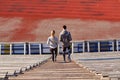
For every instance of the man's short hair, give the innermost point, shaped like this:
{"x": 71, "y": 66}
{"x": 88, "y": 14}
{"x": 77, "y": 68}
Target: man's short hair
{"x": 64, "y": 26}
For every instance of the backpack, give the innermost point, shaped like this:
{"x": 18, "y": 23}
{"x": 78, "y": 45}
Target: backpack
{"x": 66, "y": 37}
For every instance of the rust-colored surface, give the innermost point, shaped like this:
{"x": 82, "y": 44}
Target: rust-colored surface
{"x": 85, "y": 9}
{"x": 35, "y": 29}
{"x": 57, "y": 71}
{"x": 24, "y": 32}
{"x": 23, "y": 20}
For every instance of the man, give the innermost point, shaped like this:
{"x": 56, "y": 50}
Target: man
{"x": 65, "y": 38}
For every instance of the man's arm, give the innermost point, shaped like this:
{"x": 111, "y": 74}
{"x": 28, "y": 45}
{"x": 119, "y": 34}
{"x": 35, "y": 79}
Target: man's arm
{"x": 70, "y": 38}
{"x": 60, "y": 37}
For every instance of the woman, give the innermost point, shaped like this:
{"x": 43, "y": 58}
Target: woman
{"x": 53, "y": 44}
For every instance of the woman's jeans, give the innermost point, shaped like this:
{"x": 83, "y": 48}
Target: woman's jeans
{"x": 54, "y": 53}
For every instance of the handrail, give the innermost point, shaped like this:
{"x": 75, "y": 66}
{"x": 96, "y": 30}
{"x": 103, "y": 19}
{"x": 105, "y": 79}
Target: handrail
{"x": 77, "y": 47}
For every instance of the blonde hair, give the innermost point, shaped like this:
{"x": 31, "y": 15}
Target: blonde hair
{"x": 53, "y": 32}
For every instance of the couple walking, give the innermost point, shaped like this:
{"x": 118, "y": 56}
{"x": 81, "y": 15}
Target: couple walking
{"x": 65, "y": 38}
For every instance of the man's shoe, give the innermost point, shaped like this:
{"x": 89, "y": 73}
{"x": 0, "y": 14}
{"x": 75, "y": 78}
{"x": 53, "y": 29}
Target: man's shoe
{"x": 69, "y": 60}
{"x": 64, "y": 61}
{"x": 55, "y": 60}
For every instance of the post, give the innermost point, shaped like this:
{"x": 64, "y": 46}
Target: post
{"x": 0, "y": 49}
{"x": 58, "y": 49}
{"x": 10, "y": 48}
{"x": 88, "y": 46}
{"x": 40, "y": 49}
{"x": 29, "y": 48}
{"x": 113, "y": 46}
{"x": 24, "y": 48}
{"x": 117, "y": 45}
{"x": 83, "y": 46}
{"x": 72, "y": 47}
{"x": 98, "y": 46}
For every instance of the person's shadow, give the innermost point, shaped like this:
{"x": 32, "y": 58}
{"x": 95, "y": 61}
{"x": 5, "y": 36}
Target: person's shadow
{"x": 62, "y": 62}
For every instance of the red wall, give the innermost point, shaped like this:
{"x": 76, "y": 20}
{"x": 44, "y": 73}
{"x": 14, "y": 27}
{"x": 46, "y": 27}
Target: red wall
{"x": 38, "y": 16}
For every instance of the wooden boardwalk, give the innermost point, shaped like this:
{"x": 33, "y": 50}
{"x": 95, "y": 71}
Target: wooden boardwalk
{"x": 58, "y": 70}
{"x": 12, "y": 65}
{"x": 105, "y": 63}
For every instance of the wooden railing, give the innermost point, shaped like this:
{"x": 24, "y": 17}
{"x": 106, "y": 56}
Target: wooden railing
{"x": 28, "y": 48}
